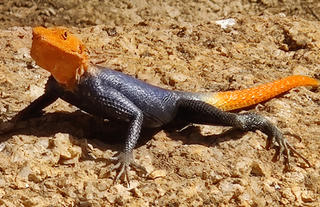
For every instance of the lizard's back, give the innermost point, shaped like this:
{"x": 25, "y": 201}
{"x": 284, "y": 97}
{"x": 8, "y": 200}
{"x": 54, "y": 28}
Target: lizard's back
{"x": 157, "y": 104}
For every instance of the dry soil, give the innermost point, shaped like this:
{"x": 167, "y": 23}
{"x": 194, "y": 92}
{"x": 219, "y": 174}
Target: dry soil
{"x": 176, "y": 45}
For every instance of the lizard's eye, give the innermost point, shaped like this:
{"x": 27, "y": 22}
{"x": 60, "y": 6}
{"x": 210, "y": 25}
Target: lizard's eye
{"x": 65, "y": 35}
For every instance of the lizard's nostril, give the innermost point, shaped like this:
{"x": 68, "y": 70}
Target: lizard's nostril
{"x": 65, "y": 35}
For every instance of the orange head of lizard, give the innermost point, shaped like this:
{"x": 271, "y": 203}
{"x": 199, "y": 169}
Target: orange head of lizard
{"x": 59, "y": 52}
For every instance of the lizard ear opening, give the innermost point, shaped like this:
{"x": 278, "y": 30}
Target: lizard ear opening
{"x": 59, "y": 52}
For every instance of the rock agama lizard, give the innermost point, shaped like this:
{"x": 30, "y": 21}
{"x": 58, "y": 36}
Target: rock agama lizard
{"x": 110, "y": 94}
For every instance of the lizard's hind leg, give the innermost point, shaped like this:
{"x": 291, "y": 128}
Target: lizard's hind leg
{"x": 202, "y": 113}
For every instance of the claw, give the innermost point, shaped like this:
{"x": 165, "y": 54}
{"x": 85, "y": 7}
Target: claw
{"x": 185, "y": 127}
{"x": 276, "y": 154}
{"x": 268, "y": 144}
{"x": 283, "y": 149}
{"x": 289, "y": 132}
{"x": 299, "y": 155}
{"x": 123, "y": 161}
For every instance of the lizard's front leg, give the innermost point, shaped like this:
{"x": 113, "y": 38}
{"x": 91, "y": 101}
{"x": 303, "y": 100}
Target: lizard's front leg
{"x": 107, "y": 102}
{"x": 34, "y": 109}
{"x": 125, "y": 159}
{"x": 51, "y": 94}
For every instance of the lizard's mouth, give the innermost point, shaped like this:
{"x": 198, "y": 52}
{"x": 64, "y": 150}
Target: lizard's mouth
{"x": 60, "y": 52}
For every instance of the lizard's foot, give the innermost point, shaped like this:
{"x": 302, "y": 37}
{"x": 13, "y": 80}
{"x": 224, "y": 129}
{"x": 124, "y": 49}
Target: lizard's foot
{"x": 123, "y": 161}
{"x": 283, "y": 148}
{"x": 276, "y": 140}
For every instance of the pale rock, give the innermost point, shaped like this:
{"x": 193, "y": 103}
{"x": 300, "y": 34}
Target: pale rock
{"x": 137, "y": 193}
{"x": 158, "y": 174}
{"x": 297, "y": 177}
{"x": 146, "y": 161}
{"x": 215, "y": 178}
{"x": 269, "y": 185}
{"x": 43, "y": 142}
{"x": 68, "y": 153}
{"x": 102, "y": 194}
{"x": 35, "y": 92}
{"x": 178, "y": 77}
{"x": 2, "y": 193}
{"x": 32, "y": 201}
{"x": 2, "y": 183}
{"x": 62, "y": 143}
{"x": 307, "y": 196}
{"x": 121, "y": 191}
{"x": 300, "y": 70}
{"x": 197, "y": 151}
{"x": 75, "y": 152}
{"x": 89, "y": 190}
{"x": 296, "y": 190}
{"x": 36, "y": 177}
{"x": 133, "y": 184}
{"x": 2, "y": 146}
{"x": 23, "y": 53}
{"x": 102, "y": 186}
{"x": 242, "y": 167}
{"x": 7, "y": 203}
{"x": 287, "y": 193}
{"x": 25, "y": 172}
{"x": 111, "y": 197}
{"x": 188, "y": 191}
{"x": 160, "y": 191}
{"x": 245, "y": 199}
{"x": 258, "y": 169}
{"x": 172, "y": 11}
{"x": 225, "y": 23}
{"x": 229, "y": 189}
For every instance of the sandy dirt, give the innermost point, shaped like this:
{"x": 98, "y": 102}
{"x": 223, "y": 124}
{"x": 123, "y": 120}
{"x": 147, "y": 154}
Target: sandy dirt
{"x": 44, "y": 161}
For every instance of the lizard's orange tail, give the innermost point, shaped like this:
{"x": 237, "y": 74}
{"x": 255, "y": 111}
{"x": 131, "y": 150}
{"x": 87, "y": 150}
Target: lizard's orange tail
{"x": 231, "y": 100}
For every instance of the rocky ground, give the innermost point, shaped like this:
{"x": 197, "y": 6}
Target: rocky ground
{"x": 175, "y": 45}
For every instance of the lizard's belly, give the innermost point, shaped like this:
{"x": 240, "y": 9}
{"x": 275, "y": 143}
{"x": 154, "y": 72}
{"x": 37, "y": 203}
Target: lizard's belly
{"x": 154, "y": 115}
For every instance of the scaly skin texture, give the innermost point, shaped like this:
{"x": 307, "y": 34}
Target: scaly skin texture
{"x": 230, "y": 100}
{"x": 113, "y": 95}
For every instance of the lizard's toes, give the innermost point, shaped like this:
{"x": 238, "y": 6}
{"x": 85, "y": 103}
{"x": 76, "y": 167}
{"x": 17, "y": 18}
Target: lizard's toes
{"x": 123, "y": 161}
{"x": 283, "y": 149}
